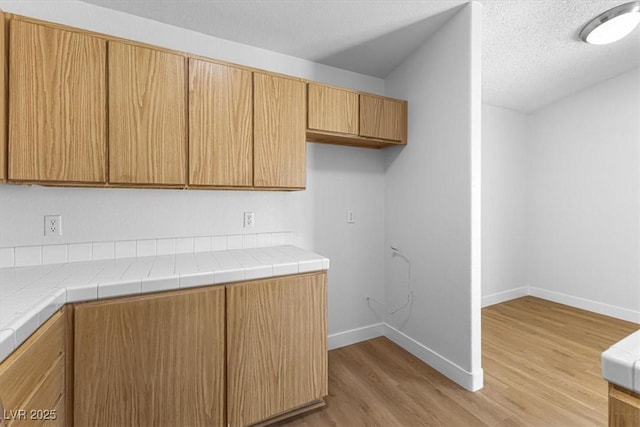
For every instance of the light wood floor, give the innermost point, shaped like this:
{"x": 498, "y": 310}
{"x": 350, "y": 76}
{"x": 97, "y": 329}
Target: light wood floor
{"x": 541, "y": 364}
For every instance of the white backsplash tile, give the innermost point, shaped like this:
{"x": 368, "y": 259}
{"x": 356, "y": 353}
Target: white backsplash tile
{"x": 79, "y": 252}
{"x": 54, "y": 254}
{"x": 24, "y": 256}
{"x": 103, "y": 250}
{"x": 28, "y": 255}
{"x": 234, "y": 242}
{"x": 202, "y": 244}
{"x": 184, "y": 245}
{"x": 6, "y": 257}
{"x": 126, "y": 249}
{"x": 264, "y": 240}
{"x": 249, "y": 241}
{"x": 219, "y": 243}
{"x": 165, "y": 246}
{"x": 146, "y": 247}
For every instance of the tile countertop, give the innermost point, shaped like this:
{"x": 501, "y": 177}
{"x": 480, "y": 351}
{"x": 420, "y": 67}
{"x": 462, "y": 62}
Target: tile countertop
{"x": 30, "y": 295}
{"x": 621, "y": 363}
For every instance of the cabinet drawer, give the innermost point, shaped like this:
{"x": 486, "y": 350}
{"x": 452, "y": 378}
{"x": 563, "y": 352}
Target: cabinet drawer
{"x": 41, "y": 409}
{"x": 22, "y": 373}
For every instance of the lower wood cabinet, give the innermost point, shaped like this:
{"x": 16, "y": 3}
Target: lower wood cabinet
{"x": 250, "y": 352}
{"x": 32, "y": 379}
{"x": 152, "y": 360}
{"x": 276, "y": 347}
{"x": 624, "y": 407}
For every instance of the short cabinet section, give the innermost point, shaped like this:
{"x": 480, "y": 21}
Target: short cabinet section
{"x": 383, "y": 118}
{"x": 147, "y": 116}
{"x": 279, "y": 146}
{"x": 151, "y": 360}
{"x": 624, "y": 407}
{"x": 57, "y": 98}
{"x": 276, "y": 347}
{"x": 333, "y": 110}
{"x": 220, "y": 125}
{"x": 32, "y": 379}
{"x": 344, "y": 117}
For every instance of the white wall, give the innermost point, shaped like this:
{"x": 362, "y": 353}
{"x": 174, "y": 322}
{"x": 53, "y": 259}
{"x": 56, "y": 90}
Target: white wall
{"x": 429, "y": 209}
{"x": 504, "y": 213}
{"x": 338, "y": 179}
{"x": 584, "y": 198}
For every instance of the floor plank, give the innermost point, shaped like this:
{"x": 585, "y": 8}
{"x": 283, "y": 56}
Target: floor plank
{"x": 541, "y": 364}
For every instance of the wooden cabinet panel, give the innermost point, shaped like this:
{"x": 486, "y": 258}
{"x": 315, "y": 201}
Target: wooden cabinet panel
{"x": 3, "y": 97}
{"x": 220, "y": 125}
{"x": 276, "y": 346}
{"x": 151, "y": 360}
{"x": 332, "y": 109}
{"x": 57, "y": 115}
{"x": 279, "y": 144}
{"x": 383, "y": 118}
{"x": 624, "y": 407}
{"x": 147, "y": 116}
{"x": 27, "y": 369}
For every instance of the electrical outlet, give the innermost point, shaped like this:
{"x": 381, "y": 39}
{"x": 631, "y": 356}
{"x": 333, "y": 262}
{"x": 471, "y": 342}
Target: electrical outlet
{"x": 350, "y": 218}
{"x": 52, "y": 225}
{"x": 249, "y": 218}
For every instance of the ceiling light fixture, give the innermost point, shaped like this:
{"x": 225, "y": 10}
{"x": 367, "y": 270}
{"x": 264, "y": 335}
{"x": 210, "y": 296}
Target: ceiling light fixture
{"x": 612, "y": 25}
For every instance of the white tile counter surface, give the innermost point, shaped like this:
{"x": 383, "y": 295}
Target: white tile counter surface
{"x": 621, "y": 363}
{"x": 30, "y": 295}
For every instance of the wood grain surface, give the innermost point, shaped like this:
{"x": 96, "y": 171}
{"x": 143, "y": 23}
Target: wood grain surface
{"x": 220, "y": 125}
{"x": 4, "y": 94}
{"x": 332, "y": 110}
{"x": 279, "y": 146}
{"x": 383, "y": 118}
{"x": 57, "y": 97}
{"x": 541, "y": 364}
{"x": 23, "y": 372}
{"x": 147, "y": 116}
{"x": 276, "y": 346}
{"x": 624, "y": 407}
{"x": 154, "y": 360}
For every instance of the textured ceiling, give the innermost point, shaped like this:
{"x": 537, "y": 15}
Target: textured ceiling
{"x": 531, "y": 52}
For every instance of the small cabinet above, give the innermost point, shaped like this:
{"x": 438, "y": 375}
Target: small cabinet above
{"x": 344, "y": 117}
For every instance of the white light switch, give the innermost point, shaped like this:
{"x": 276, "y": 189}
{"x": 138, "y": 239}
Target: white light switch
{"x": 350, "y": 218}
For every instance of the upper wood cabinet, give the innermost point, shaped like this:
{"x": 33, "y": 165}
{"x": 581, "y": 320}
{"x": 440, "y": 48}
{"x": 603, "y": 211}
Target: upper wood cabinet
{"x": 276, "y": 347}
{"x": 341, "y": 116}
{"x": 279, "y": 145}
{"x": 57, "y": 98}
{"x": 147, "y": 116}
{"x": 151, "y": 360}
{"x": 332, "y": 109}
{"x": 383, "y": 118}
{"x": 220, "y": 125}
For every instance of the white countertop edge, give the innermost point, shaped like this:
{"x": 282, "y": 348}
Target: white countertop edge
{"x": 621, "y": 363}
{"x": 17, "y": 329}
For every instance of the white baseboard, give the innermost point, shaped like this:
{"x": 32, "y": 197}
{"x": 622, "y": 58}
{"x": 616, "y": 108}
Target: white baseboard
{"x": 499, "y": 297}
{"x": 342, "y": 339}
{"x": 471, "y": 381}
{"x": 586, "y": 304}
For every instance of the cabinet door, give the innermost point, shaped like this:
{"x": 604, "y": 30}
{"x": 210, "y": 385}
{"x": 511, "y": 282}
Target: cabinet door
{"x": 276, "y": 346}
{"x": 57, "y": 116}
{"x": 32, "y": 377}
{"x": 147, "y": 116}
{"x": 279, "y": 143}
{"x": 220, "y": 125}
{"x": 151, "y": 360}
{"x": 333, "y": 110}
{"x": 383, "y": 118}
